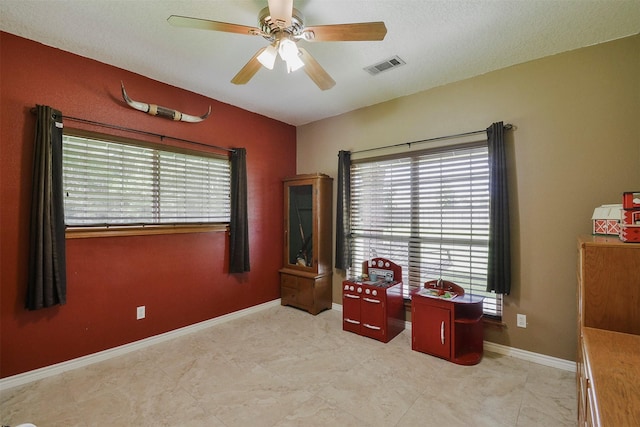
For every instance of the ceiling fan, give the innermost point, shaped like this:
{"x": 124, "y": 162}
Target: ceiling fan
{"x": 283, "y": 26}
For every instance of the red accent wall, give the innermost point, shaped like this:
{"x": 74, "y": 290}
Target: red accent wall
{"x": 182, "y": 279}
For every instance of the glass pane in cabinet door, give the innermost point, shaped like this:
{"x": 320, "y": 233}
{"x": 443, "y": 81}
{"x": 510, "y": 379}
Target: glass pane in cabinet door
{"x": 301, "y": 225}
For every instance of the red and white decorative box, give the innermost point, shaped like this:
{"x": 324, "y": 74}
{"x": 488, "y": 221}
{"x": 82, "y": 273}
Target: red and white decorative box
{"x": 630, "y": 233}
{"x": 630, "y": 225}
{"x": 606, "y": 219}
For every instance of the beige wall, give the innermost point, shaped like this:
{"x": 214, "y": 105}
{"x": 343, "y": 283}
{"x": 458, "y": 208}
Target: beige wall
{"x": 576, "y": 145}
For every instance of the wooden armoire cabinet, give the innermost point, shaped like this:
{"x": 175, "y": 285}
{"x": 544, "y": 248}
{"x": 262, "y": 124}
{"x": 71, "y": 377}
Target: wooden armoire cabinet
{"x": 608, "y": 353}
{"x": 306, "y": 275}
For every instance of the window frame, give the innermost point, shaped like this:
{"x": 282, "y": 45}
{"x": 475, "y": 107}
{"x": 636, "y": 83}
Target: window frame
{"x": 495, "y": 310}
{"x": 111, "y": 230}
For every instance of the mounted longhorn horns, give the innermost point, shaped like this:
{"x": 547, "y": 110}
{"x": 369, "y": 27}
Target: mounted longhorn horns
{"x": 156, "y": 110}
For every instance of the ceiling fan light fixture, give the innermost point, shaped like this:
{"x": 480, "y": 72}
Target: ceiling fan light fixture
{"x": 283, "y": 25}
{"x": 290, "y": 54}
{"x": 268, "y": 56}
{"x": 294, "y": 64}
{"x": 287, "y": 49}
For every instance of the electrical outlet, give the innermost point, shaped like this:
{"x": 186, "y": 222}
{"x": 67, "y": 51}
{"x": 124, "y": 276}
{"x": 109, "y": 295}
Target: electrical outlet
{"x": 140, "y": 312}
{"x": 521, "y": 321}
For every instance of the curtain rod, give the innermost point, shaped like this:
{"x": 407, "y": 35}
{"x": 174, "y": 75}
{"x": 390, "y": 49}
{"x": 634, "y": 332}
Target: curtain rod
{"x": 508, "y": 126}
{"x": 144, "y": 132}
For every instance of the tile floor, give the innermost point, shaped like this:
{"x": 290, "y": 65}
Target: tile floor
{"x": 284, "y": 367}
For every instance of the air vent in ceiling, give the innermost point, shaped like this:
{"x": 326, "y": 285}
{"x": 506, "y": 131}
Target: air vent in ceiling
{"x": 385, "y": 65}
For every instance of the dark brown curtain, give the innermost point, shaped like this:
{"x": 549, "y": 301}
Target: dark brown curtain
{"x": 343, "y": 214}
{"x": 499, "y": 264}
{"x": 47, "y": 279}
{"x": 239, "y": 223}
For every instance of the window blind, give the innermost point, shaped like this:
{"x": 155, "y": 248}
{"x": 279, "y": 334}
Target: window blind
{"x": 109, "y": 183}
{"x": 429, "y": 212}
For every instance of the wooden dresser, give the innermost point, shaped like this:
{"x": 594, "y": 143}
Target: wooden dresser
{"x": 608, "y": 353}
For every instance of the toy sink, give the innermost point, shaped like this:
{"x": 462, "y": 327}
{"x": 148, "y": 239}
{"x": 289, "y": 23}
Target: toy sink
{"x": 436, "y": 293}
{"x": 441, "y": 289}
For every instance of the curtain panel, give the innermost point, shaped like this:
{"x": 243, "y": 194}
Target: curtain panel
{"x": 239, "y": 222}
{"x": 499, "y": 262}
{"x": 343, "y": 214}
{"x": 47, "y": 277}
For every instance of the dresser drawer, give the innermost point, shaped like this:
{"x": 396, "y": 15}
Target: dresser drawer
{"x": 289, "y": 281}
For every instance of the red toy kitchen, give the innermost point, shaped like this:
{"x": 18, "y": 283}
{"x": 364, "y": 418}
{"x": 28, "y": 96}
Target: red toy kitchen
{"x": 373, "y": 305}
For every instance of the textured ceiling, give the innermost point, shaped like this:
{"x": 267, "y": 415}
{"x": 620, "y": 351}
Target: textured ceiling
{"x": 441, "y": 42}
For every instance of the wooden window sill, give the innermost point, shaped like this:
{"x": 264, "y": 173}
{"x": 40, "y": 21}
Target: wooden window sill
{"x": 494, "y": 323}
{"x": 120, "y": 231}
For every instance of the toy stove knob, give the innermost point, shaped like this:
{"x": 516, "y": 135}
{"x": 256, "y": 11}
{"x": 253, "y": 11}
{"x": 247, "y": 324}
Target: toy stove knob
{"x": 374, "y": 292}
{"x": 359, "y": 290}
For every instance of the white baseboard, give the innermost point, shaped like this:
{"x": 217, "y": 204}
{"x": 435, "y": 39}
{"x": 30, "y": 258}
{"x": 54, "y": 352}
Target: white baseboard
{"x": 58, "y": 368}
{"x": 48, "y": 371}
{"x": 538, "y": 358}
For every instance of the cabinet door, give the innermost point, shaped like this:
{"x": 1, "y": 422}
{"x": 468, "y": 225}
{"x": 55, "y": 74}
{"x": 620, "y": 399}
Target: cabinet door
{"x": 308, "y": 223}
{"x": 299, "y": 225}
{"x": 581, "y": 380}
{"x": 351, "y": 312}
{"x": 305, "y": 292}
{"x": 373, "y": 317}
{"x": 431, "y": 329}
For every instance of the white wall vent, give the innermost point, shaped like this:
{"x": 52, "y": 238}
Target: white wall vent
{"x": 385, "y": 65}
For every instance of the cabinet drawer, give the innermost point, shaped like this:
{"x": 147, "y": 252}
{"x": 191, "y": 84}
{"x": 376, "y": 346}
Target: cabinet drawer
{"x": 289, "y": 281}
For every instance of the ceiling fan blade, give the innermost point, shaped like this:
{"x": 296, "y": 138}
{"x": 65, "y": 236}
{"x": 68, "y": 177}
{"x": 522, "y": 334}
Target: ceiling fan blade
{"x": 249, "y": 70}
{"x": 205, "y": 24}
{"x": 314, "y": 70}
{"x": 281, "y": 11}
{"x": 346, "y": 32}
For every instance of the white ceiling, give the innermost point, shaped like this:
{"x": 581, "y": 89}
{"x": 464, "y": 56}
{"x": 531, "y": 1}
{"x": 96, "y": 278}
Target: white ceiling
{"x": 441, "y": 42}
